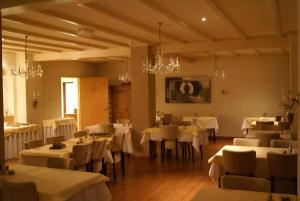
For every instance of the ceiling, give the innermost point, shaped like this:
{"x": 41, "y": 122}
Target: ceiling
{"x": 110, "y": 27}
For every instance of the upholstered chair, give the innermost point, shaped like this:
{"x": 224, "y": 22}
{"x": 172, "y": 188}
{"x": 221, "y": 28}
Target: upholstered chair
{"x": 283, "y": 172}
{"x": 239, "y": 162}
{"x": 117, "y": 153}
{"x": 245, "y": 183}
{"x": 25, "y": 191}
{"x": 246, "y": 142}
{"x": 284, "y": 143}
{"x": 169, "y": 140}
{"x": 55, "y": 139}
{"x": 33, "y": 144}
{"x": 81, "y": 156}
{"x": 98, "y": 148}
{"x": 266, "y": 137}
{"x": 60, "y": 163}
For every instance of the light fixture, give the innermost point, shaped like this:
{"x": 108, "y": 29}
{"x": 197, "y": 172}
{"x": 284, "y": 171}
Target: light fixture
{"x": 26, "y": 70}
{"x": 203, "y": 19}
{"x": 124, "y": 78}
{"x": 217, "y": 74}
{"x": 158, "y": 66}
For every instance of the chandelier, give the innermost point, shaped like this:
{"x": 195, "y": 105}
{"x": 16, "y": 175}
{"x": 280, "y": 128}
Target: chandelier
{"x": 217, "y": 74}
{"x": 27, "y": 70}
{"x": 158, "y": 66}
{"x": 124, "y": 78}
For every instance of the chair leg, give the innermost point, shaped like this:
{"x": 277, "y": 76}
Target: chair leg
{"x": 123, "y": 163}
{"x": 189, "y": 150}
{"x": 193, "y": 154}
{"x": 150, "y": 149}
{"x": 114, "y": 168}
{"x": 176, "y": 150}
{"x": 163, "y": 150}
{"x": 182, "y": 150}
{"x": 103, "y": 171}
{"x": 201, "y": 151}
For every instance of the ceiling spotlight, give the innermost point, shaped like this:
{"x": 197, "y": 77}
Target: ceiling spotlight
{"x": 2, "y": 39}
{"x": 203, "y": 19}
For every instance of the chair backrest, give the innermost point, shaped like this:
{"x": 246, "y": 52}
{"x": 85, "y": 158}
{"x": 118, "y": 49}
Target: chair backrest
{"x": 259, "y": 125}
{"x": 98, "y": 147}
{"x": 184, "y": 123}
{"x": 117, "y": 142}
{"x": 245, "y": 183}
{"x": 60, "y": 163}
{"x": 284, "y": 143}
{"x": 169, "y": 132}
{"x": 283, "y": 172}
{"x": 80, "y": 134}
{"x": 55, "y": 139}
{"x": 284, "y": 125}
{"x": 239, "y": 162}
{"x": 33, "y": 144}
{"x": 123, "y": 121}
{"x": 246, "y": 142}
{"x": 266, "y": 137}
{"x": 25, "y": 191}
{"x": 167, "y": 119}
{"x": 81, "y": 155}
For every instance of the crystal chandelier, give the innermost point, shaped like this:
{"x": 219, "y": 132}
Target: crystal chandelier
{"x": 124, "y": 78}
{"x": 217, "y": 74}
{"x": 158, "y": 66}
{"x": 27, "y": 70}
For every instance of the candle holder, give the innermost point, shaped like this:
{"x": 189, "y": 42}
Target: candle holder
{"x": 35, "y": 99}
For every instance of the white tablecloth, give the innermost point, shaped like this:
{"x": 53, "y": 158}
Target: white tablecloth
{"x": 63, "y": 185}
{"x": 261, "y": 170}
{"x": 16, "y": 136}
{"x": 196, "y": 135}
{"x": 217, "y": 194}
{"x": 203, "y": 122}
{"x": 59, "y": 126}
{"x": 38, "y": 156}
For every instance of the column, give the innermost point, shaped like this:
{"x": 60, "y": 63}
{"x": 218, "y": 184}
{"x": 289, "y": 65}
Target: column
{"x": 142, "y": 97}
{"x": 2, "y": 147}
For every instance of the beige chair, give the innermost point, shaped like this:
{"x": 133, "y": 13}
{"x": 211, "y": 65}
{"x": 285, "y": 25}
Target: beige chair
{"x": 98, "y": 148}
{"x": 33, "y": 144}
{"x": 169, "y": 140}
{"x": 55, "y": 139}
{"x": 123, "y": 121}
{"x": 239, "y": 162}
{"x": 80, "y": 134}
{"x": 246, "y": 142}
{"x": 82, "y": 156}
{"x": 25, "y": 191}
{"x": 261, "y": 125}
{"x": 266, "y": 137}
{"x": 283, "y": 172}
{"x": 60, "y": 163}
{"x": 284, "y": 143}
{"x": 117, "y": 151}
{"x": 245, "y": 183}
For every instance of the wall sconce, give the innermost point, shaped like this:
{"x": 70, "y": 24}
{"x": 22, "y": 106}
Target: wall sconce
{"x": 35, "y": 99}
{"x": 223, "y": 92}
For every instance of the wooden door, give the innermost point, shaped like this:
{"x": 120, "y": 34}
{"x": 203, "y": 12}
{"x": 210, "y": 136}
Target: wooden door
{"x": 93, "y": 101}
{"x": 121, "y": 102}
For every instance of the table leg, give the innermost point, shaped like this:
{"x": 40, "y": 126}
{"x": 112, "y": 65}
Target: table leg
{"x": 201, "y": 151}
{"x": 193, "y": 155}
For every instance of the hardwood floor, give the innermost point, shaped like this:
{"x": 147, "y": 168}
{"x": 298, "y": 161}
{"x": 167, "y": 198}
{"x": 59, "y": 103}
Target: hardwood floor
{"x": 153, "y": 180}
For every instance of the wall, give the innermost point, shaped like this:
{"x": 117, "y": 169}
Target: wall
{"x": 49, "y": 87}
{"x": 253, "y": 86}
{"x": 111, "y": 70}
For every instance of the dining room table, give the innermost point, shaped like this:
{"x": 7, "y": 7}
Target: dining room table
{"x": 62, "y": 185}
{"x": 250, "y": 122}
{"x": 218, "y": 194}
{"x": 192, "y": 134}
{"x": 38, "y": 156}
{"x": 261, "y": 169}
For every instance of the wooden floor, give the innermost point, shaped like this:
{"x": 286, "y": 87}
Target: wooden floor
{"x": 153, "y": 180}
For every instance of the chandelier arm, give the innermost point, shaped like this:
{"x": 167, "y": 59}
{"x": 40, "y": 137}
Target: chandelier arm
{"x": 26, "y": 48}
{"x": 159, "y": 37}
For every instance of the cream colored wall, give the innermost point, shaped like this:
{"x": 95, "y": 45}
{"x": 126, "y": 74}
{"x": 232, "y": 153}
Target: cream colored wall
{"x": 49, "y": 87}
{"x": 253, "y": 86}
{"x": 111, "y": 70}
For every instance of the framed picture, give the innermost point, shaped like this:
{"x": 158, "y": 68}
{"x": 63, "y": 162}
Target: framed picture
{"x": 188, "y": 89}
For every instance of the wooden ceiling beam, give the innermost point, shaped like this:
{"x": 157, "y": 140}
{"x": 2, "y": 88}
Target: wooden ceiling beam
{"x": 276, "y": 16}
{"x": 40, "y": 43}
{"x": 258, "y": 52}
{"x": 226, "y": 45}
{"x": 177, "y": 20}
{"x": 48, "y": 37}
{"x": 86, "y": 54}
{"x": 223, "y": 15}
{"x": 124, "y": 19}
{"x": 31, "y": 47}
{"x": 80, "y": 22}
{"x": 5, "y": 48}
{"x": 61, "y": 30}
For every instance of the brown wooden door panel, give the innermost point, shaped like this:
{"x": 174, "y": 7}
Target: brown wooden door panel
{"x": 93, "y": 101}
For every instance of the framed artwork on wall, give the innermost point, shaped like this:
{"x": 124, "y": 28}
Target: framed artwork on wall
{"x": 194, "y": 89}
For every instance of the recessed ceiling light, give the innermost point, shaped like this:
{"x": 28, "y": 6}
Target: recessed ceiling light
{"x": 2, "y": 39}
{"x": 203, "y": 19}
